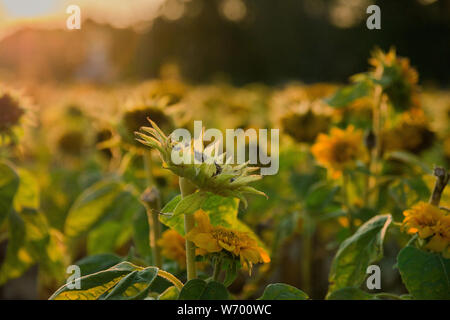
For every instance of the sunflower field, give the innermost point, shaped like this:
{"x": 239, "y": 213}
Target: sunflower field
{"x": 94, "y": 206}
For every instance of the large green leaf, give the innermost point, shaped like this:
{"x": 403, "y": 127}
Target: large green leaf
{"x": 426, "y": 275}
{"x": 97, "y": 262}
{"x": 346, "y": 95}
{"x": 359, "y": 251}
{"x": 190, "y": 203}
{"x": 198, "y": 289}
{"x": 27, "y": 195}
{"x": 281, "y": 291}
{"x": 91, "y": 206}
{"x": 9, "y": 184}
{"x": 17, "y": 259}
{"x": 222, "y": 211}
{"x": 105, "y": 200}
{"x": 123, "y": 281}
{"x": 351, "y": 293}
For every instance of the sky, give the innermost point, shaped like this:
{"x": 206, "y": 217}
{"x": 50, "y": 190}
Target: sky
{"x": 52, "y": 13}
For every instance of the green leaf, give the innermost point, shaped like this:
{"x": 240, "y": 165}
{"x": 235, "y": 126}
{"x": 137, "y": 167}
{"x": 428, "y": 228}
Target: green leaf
{"x": 9, "y": 184}
{"x": 27, "y": 195}
{"x": 198, "y": 289}
{"x": 190, "y": 203}
{"x": 426, "y": 275}
{"x": 222, "y": 211}
{"x": 410, "y": 159}
{"x": 90, "y": 207}
{"x": 346, "y": 95}
{"x": 135, "y": 285}
{"x": 98, "y": 262}
{"x": 17, "y": 259}
{"x": 123, "y": 281}
{"x": 359, "y": 251}
{"x": 105, "y": 200}
{"x": 351, "y": 293}
{"x": 170, "y": 293}
{"x": 281, "y": 291}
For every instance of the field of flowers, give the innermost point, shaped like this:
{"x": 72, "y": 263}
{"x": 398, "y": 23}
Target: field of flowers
{"x": 93, "y": 206}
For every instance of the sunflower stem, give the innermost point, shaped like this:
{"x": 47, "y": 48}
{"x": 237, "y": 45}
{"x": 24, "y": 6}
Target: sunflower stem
{"x": 152, "y": 200}
{"x": 442, "y": 179}
{"x": 186, "y": 189}
{"x": 348, "y": 208}
{"x": 217, "y": 267}
{"x": 376, "y": 151}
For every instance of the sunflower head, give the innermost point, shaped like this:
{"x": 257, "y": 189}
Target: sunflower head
{"x": 339, "y": 150}
{"x": 431, "y": 224}
{"x": 305, "y": 122}
{"x": 71, "y": 143}
{"x": 214, "y": 239}
{"x": 412, "y": 134}
{"x": 206, "y": 169}
{"x": 396, "y": 76}
{"x": 136, "y": 117}
{"x": 173, "y": 247}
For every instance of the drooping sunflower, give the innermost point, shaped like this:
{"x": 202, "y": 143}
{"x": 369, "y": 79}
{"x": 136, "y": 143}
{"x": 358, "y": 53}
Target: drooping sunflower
{"x": 173, "y": 247}
{"x": 213, "y": 239}
{"x": 13, "y": 108}
{"x": 430, "y": 223}
{"x": 306, "y": 121}
{"x": 412, "y": 134}
{"x": 339, "y": 150}
{"x": 398, "y": 79}
{"x": 137, "y": 112}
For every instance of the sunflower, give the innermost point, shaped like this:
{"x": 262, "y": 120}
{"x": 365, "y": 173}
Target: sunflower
{"x": 213, "y": 239}
{"x": 430, "y": 223}
{"x": 412, "y": 134}
{"x": 136, "y": 115}
{"x": 339, "y": 150}
{"x": 208, "y": 172}
{"x": 173, "y": 247}
{"x": 305, "y": 122}
{"x": 398, "y": 79}
{"x": 13, "y": 110}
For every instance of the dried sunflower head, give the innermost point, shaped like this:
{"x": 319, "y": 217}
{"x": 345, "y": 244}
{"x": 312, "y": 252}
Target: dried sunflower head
{"x": 208, "y": 169}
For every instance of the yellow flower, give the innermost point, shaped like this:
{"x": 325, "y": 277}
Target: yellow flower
{"x": 429, "y": 222}
{"x": 339, "y": 150}
{"x": 211, "y": 239}
{"x": 173, "y": 247}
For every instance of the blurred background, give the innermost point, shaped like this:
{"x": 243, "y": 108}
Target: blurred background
{"x": 240, "y": 40}
{"x": 233, "y": 64}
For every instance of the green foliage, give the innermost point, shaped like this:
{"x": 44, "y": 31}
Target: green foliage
{"x": 198, "y": 289}
{"x": 426, "y": 275}
{"x": 9, "y": 184}
{"x": 356, "y": 253}
{"x": 281, "y": 291}
{"x": 123, "y": 281}
{"x": 346, "y": 95}
{"x": 351, "y": 293}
